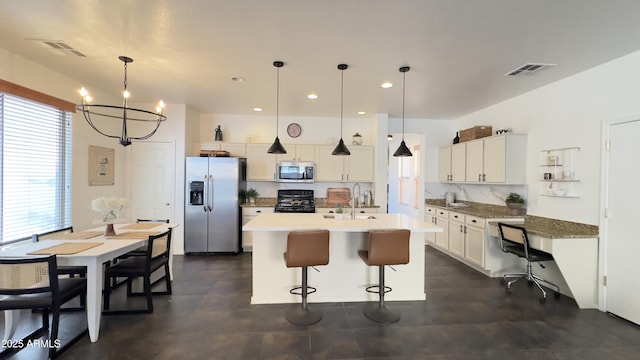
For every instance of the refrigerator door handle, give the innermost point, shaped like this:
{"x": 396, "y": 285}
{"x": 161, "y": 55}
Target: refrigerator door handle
{"x": 205, "y": 195}
{"x": 211, "y": 192}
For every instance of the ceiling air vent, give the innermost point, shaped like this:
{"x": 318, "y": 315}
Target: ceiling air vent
{"x": 62, "y": 47}
{"x": 528, "y": 69}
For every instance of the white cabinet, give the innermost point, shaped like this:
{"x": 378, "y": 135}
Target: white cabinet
{"x": 248, "y": 213}
{"x": 467, "y": 238}
{"x": 474, "y": 240}
{"x": 440, "y": 218}
{"x": 456, "y": 234}
{"x": 347, "y": 210}
{"x": 353, "y": 168}
{"x": 452, "y": 160}
{"x": 298, "y": 152}
{"x": 261, "y": 166}
{"x": 499, "y": 159}
{"x": 560, "y": 172}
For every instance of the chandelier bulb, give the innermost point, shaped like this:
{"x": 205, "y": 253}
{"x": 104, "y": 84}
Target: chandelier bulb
{"x": 83, "y": 92}
{"x": 126, "y": 94}
{"x": 87, "y": 98}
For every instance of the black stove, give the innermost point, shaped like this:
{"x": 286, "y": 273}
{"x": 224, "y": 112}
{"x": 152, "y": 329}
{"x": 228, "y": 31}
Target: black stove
{"x": 298, "y": 201}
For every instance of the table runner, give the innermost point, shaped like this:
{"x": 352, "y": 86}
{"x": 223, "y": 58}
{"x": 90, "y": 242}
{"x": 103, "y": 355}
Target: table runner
{"x": 65, "y": 248}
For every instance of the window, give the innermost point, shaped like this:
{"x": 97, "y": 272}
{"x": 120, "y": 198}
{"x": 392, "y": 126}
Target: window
{"x": 35, "y": 167}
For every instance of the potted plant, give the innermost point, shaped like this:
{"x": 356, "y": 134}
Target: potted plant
{"x": 357, "y": 139}
{"x": 515, "y": 202}
{"x": 252, "y": 194}
{"x": 339, "y": 212}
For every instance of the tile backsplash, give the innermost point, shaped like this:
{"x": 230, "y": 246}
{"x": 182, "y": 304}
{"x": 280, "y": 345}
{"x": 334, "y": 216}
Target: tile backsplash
{"x": 480, "y": 193}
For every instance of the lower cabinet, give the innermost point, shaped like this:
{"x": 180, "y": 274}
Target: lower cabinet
{"x": 466, "y": 238}
{"x": 248, "y": 213}
{"x": 440, "y": 218}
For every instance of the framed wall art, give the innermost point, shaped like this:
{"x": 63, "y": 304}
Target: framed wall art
{"x": 101, "y": 165}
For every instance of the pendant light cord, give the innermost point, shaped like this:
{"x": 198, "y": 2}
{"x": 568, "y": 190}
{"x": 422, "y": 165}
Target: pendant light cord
{"x": 404, "y": 74}
{"x": 341, "y": 99}
{"x": 277, "y": 100}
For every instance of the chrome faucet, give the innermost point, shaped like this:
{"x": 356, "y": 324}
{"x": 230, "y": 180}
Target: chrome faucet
{"x": 355, "y": 199}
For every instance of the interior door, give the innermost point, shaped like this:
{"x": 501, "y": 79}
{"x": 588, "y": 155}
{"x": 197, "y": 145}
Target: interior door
{"x": 152, "y": 180}
{"x": 623, "y": 247}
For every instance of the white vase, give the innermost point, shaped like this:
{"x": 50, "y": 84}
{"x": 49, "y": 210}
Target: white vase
{"x": 357, "y": 140}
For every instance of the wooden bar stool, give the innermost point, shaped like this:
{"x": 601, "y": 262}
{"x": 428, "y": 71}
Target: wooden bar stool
{"x": 386, "y": 247}
{"x": 305, "y": 248}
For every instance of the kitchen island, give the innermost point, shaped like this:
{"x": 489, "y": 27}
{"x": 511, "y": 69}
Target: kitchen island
{"x": 346, "y": 276}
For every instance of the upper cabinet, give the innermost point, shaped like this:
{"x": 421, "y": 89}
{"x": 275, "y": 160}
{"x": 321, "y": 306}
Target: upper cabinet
{"x": 298, "y": 152}
{"x": 499, "y": 159}
{"x": 261, "y": 166}
{"x": 452, "y": 163}
{"x": 352, "y": 168}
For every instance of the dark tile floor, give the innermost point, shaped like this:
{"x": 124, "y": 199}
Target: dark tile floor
{"x": 466, "y": 316}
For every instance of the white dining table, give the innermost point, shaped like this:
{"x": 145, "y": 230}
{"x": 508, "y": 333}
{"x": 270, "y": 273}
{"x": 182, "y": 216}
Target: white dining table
{"x": 92, "y": 258}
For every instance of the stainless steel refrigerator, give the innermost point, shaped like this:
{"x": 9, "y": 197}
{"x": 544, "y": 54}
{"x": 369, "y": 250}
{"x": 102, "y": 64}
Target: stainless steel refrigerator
{"x": 213, "y": 219}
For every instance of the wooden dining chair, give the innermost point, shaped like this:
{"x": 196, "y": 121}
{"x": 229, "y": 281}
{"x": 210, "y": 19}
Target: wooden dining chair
{"x": 156, "y": 256}
{"x": 33, "y": 283}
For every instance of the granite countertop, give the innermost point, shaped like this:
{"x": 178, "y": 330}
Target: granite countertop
{"x": 535, "y": 225}
{"x": 476, "y": 209}
{"x": 320, "y": 203}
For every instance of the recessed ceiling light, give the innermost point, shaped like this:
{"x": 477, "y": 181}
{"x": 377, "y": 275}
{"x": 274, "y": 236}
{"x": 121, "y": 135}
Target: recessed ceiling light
{"x": 361, "y": 112}
{"x": 312, "y": 96}
{"x": 237, "y": 79}
{"x": 386, "y": 85}
{"x": 257, "y": 109}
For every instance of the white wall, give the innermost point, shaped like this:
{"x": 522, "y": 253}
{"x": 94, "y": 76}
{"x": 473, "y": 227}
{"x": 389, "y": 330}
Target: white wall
{"x": 569, "y": 113}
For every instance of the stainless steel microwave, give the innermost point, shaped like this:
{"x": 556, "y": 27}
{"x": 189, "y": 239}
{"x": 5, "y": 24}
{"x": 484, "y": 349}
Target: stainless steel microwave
{"x": 296, "y": 171}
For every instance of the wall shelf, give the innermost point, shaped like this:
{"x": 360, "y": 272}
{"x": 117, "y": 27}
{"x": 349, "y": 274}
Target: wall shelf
{"x": 559, "y": 174}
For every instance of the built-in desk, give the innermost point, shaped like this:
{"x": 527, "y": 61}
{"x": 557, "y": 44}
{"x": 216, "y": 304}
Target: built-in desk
{"x": 575, "y": 250}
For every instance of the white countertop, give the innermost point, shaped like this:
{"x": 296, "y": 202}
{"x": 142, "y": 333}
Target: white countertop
{"x": 298, "y": 221}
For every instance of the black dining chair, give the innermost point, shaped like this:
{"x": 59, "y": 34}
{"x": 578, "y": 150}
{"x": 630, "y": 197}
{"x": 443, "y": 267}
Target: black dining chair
{"x": 141, "y": 251}
{"x": 70, "y": 270}
{"x": 33, "y": 283}
{"x": 65, "y": 270}
{"x": 156, "y": 256}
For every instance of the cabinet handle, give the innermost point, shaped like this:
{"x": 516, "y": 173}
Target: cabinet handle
{"x": 465, "y": 229}
{"x": 479, "y": 177}
{"x": 460, "y": 228}
{"x": 473, "y": 221}
{"x": 259, "y": 211}
{"x": 484, "y": 177}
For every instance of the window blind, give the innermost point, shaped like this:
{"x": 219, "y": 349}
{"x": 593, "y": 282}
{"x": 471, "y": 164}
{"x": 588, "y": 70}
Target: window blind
{"x": 36, "y": 167}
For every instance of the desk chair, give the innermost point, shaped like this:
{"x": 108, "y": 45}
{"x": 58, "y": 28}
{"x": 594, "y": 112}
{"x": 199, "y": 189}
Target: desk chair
{"x": 514, "y": 240}
{"x": 33, "y": 283}
{"x": 156, "y": 257}
{"x": 385, "y": 247}
{"x": 305, "y": 248}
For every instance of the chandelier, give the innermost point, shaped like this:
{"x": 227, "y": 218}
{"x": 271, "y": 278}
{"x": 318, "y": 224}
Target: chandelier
{"x": 95, "y": 112}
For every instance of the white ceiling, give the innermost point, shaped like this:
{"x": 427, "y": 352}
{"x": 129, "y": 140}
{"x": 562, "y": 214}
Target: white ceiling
{"x": 186, "y": 51}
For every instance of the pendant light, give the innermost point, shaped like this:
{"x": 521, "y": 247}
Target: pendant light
{"x": 403, "y": 150}
{"x": 276, "y": 147}
{"x": 341, "y": 148}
